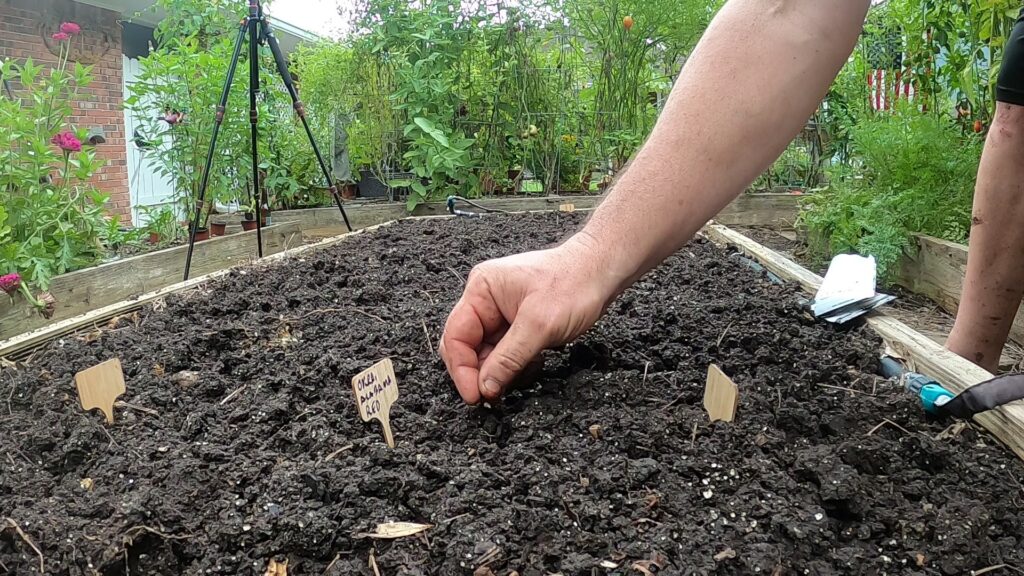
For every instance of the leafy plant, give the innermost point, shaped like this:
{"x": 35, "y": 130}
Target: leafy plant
{"x": 164, "y": 222}
{"x": 912, "y": 172}
{"x": 51, "y": 217}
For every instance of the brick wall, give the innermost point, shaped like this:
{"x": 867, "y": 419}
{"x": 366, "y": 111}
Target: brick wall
{"x": 25, "y": 28}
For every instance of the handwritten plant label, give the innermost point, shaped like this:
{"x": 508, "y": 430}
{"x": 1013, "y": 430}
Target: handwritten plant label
{"x": 100, "y": 386}
{"x": 376, "y": 389}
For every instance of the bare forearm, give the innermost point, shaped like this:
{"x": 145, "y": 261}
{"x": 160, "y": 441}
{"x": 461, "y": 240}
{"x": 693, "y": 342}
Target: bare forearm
{"x": 760, "y": 71}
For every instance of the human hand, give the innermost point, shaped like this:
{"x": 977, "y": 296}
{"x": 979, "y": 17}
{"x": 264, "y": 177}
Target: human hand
{"x": 514, "y": 308}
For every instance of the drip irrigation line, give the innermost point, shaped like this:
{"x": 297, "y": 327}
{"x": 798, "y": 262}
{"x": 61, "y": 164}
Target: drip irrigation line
{"x": 456, "y": 212}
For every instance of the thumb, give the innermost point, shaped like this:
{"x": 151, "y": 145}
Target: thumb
{"x": 511, "y": 355}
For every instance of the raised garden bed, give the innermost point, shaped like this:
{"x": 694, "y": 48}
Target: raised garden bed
{"x": 260, "y": 455}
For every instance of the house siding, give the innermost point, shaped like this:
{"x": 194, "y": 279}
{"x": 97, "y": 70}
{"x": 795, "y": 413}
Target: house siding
{"x": 25, "y": 29}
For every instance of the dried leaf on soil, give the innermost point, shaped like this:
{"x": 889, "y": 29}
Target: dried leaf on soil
{"x": 394, "y": 530}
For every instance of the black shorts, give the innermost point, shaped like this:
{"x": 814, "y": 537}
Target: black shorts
{"x": 1010, "y": 86}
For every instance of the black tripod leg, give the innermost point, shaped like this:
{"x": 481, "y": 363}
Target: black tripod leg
{"x": 221, "y": 107}
{"x": 254, "y": 118}
{"x": 300, "y": 109}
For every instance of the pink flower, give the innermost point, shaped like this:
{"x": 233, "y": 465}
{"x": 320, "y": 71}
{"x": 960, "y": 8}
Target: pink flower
{"x": 61, "y": 36}
{"x": 70, "y": 28}
{"x": 67, "y": 142}
{"x": 10, "y": 283}
{"x": 174, "y": 117}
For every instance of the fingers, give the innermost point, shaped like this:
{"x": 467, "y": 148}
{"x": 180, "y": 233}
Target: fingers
{"x": 523, "y": 342}
{"x": 463, "y": 334}
{"x": 474, "y": 322}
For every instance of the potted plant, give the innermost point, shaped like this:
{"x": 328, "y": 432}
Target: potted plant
{"x": 218, "y": 228}
{"x": 161, "y": 224}
{"x": 248, "y": 222}
{"x": 349, "y": 190}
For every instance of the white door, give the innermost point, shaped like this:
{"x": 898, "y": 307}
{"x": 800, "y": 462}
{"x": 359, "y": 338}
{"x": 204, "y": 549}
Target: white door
{"x": 148, "y": 188}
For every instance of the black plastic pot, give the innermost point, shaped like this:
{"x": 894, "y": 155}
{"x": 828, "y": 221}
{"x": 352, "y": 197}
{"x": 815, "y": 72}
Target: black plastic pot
{"x": 370, "y": 186}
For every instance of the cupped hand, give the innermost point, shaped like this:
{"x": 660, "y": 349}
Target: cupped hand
{"x": 514, "y": 308}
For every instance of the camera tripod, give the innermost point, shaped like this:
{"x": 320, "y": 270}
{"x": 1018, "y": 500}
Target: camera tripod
{"x": 258, "y": 29}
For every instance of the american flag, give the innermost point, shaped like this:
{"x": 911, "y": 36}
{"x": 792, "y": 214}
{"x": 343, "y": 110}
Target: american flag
{"x": 887, "y": 82}
{"x": 886, "y": 86}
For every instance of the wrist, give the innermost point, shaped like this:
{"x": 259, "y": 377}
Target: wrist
{"x": 601, "y": 264}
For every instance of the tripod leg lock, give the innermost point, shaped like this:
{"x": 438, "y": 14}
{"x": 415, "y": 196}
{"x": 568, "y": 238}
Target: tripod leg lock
{"x": 220, "y": 114}
{"x": 334, "y": 192}
{"x": 254, "y": 116}
{"x": 300, "y": 108}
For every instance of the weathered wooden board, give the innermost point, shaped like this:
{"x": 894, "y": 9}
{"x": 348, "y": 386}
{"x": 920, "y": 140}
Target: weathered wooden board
{"x": 936, "y": 268}
{"x": 923, "y": 354}
{"x": 777, "y": 210}
{"x": 114, "y": 282}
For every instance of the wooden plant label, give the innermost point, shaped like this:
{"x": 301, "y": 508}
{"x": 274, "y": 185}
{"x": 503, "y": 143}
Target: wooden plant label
{"x": 100, "y": 386}
{"x": 376, "y": 389}
{"x": 721, "y": 395}
{"x": 567, "y": 208}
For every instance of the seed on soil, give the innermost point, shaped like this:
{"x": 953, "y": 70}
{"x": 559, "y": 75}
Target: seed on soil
{"x": 596, "y": 431}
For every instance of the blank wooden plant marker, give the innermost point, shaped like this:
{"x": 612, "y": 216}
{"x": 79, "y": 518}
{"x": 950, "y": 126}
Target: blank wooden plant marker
{"x": 567, "y": 208}
{"x": 376, "y": 389}
{"x": 721, "y": 395}
{"x": 100, "y": 386}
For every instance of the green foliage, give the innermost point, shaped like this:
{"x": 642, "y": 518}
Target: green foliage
{"x": 183, "y": 78}
{"x": 631, "y": 63}
{"x": 51, "y": 217}
{"x": 912, "y": 172}
{"x": 446, "y": 89}
{"x": 163, "y": 221}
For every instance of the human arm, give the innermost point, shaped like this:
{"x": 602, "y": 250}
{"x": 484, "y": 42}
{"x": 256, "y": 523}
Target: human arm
{"x": 758, "y": 73}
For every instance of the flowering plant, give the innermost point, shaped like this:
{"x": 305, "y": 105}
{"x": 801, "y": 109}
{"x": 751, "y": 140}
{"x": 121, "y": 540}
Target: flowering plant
{"x": 51, "y": 217}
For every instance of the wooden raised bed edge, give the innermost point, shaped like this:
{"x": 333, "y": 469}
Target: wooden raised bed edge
{"x": 922, "y": 354}
{"x": 936, "y": 268}
{"x": 777, "y": 210}
{"x": 113, "y": 282}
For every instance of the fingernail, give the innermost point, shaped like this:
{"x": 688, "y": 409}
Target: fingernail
{"x": 491, "y": 387}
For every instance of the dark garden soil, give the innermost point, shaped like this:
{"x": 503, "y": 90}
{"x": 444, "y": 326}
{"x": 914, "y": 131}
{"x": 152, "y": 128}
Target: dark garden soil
{"x": 260, "y": 454}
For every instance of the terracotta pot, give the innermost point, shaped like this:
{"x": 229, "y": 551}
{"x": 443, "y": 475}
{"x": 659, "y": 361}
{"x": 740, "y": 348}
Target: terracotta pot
{"x": 154, "y": 238}
{"x": 348, "y": 191}
{"x": 248, "y": 225}
{"x": 218, "y": 228}
{"x": 202, "y": 234}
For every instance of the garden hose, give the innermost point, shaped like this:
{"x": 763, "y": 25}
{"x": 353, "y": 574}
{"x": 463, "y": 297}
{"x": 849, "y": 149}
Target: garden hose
{"x": 465, "y": 213}
{"x": 939, "y": 401}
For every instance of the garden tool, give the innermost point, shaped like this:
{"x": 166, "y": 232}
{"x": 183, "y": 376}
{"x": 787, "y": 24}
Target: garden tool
{"x": 939, "y": 401}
